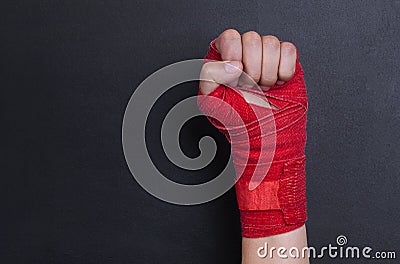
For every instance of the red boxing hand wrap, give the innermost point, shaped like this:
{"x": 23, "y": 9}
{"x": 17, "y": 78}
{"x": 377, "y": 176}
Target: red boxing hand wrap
{"x": 267, "y": 144}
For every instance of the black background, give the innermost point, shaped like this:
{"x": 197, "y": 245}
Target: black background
{"x": 68, "y": 69}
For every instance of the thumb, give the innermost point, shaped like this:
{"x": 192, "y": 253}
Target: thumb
{"x": 215, "y": 73}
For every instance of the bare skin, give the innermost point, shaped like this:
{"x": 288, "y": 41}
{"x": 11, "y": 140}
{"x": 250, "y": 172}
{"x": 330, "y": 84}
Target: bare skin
{"x": 296, "y": 238}
{"x": 267, "y": 61}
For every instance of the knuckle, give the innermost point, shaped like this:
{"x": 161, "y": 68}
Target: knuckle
{"x": 230, "y": 34}
{"x": 251, "y": 38}
{"x": 230, "y": 45}
{"x": 270, "y": 40}
{"x": 288, "y": 47}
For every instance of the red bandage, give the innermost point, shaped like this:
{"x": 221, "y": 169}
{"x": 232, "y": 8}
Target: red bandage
{"x": 267, "y": 144}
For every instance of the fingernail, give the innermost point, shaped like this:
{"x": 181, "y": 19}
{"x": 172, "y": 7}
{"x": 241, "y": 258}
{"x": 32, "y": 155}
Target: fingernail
{"x": 230, "y": 68}
{"x": 280, "y": 82}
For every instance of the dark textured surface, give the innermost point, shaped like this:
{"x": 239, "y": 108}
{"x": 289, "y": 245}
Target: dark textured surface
{"x": 68, "y": 68}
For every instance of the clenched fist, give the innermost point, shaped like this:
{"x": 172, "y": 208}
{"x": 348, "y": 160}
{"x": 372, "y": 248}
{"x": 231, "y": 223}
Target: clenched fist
{"x": 266, "y": 127}
{"x": 265, "y": 60}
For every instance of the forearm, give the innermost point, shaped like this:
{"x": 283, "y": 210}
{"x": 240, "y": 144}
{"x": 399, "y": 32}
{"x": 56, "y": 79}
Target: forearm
{"x": 282, "y": 248}
{"x": 267, "y": 142}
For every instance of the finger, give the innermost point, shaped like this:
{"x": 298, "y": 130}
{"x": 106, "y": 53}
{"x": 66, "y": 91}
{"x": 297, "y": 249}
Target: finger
{"x": 229, "y": 44}
{"x": 270, "y": 60}
{"x": 287, "y": 64}
{"x": 215, "y": 73}
{"x": 252, "y": 55}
